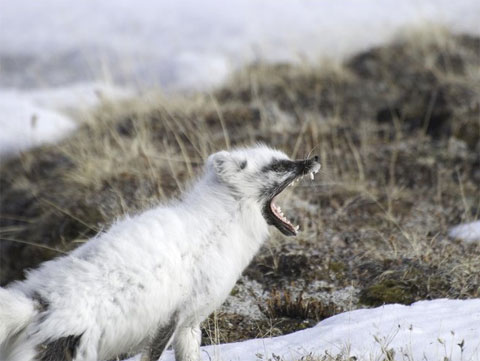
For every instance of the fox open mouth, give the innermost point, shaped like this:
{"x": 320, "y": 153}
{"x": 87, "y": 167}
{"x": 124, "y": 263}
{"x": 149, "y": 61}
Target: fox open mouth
{"x": 274, "y": 214}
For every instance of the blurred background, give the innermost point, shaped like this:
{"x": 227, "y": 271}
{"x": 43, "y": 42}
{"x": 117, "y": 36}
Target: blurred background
{"x": 185, "y": 44}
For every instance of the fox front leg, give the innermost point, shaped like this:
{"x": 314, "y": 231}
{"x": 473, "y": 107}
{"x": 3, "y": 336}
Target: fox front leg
{"x": 186, "y": 343}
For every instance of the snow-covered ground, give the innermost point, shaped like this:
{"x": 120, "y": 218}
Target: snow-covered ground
{"x": 39, "y": 116}
{"x": 188, "y": 43}
{"x": 469, "y": 232}
{"x": 25, "y": 125}
{"x": 435, "y": 330}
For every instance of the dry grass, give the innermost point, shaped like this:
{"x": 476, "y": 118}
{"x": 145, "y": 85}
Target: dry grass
{"x": 397, "y": 129}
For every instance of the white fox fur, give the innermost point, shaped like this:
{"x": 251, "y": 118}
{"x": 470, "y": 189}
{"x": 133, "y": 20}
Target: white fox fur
{"x": 16, "y": 311}
{"x": 151, "y": 278}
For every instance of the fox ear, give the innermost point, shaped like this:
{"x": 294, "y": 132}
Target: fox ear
{"x": 225, "y": 165}
{"x": 219, "y": 161}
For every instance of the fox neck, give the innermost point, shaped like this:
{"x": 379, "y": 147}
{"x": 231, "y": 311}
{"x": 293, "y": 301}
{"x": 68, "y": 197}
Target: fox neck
{"x": 223, "y": 205}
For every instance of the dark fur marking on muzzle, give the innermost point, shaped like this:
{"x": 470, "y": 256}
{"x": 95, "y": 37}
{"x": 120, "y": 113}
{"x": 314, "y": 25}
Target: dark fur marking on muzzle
{"x": 63, "y": 349}
{"x": 281, "y": 165}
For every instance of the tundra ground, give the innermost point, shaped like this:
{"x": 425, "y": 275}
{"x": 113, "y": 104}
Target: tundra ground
{"x": 397, "y": 129}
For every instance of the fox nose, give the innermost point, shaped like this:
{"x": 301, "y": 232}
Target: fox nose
{"x": 313, "y": 165}
{"x": 309, "y": 163}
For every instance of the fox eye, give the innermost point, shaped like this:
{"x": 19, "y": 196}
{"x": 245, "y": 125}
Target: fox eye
{"x": 243, "y": 164}
{"x": 279, "y": 166}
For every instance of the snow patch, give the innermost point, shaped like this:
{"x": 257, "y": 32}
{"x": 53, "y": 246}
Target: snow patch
{"x": 187, "y": 44}
{"x": 76, "y": 96}
{"x": 25, "y": 125}
{"x": 41, "y": 116}
{"x": 426, "y": 330}
{"x": 468, "y": 232}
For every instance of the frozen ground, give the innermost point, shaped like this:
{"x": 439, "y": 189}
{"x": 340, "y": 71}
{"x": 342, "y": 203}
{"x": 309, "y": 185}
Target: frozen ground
{"x": 427, "y": 331}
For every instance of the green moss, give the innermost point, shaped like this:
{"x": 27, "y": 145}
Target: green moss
{"x": 234, "y": 291}
{"x": 387, "y": 291}
{"x": 338, "y": 268}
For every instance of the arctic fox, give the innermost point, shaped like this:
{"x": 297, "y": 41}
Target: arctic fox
{"x": 151, "y": 279}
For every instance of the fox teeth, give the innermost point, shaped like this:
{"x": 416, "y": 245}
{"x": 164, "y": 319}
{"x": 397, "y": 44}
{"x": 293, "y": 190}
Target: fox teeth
{"x": 297, "y": 228}
{"x": 312, "y": 177}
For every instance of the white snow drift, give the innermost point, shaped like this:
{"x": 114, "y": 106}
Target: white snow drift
{"x": 187, "y": 43}
{"x": 25, "y": 125}
{"x": 40, "y": 116}
{"x": 425, "y": 331}
{"x": 469, "y": 232}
